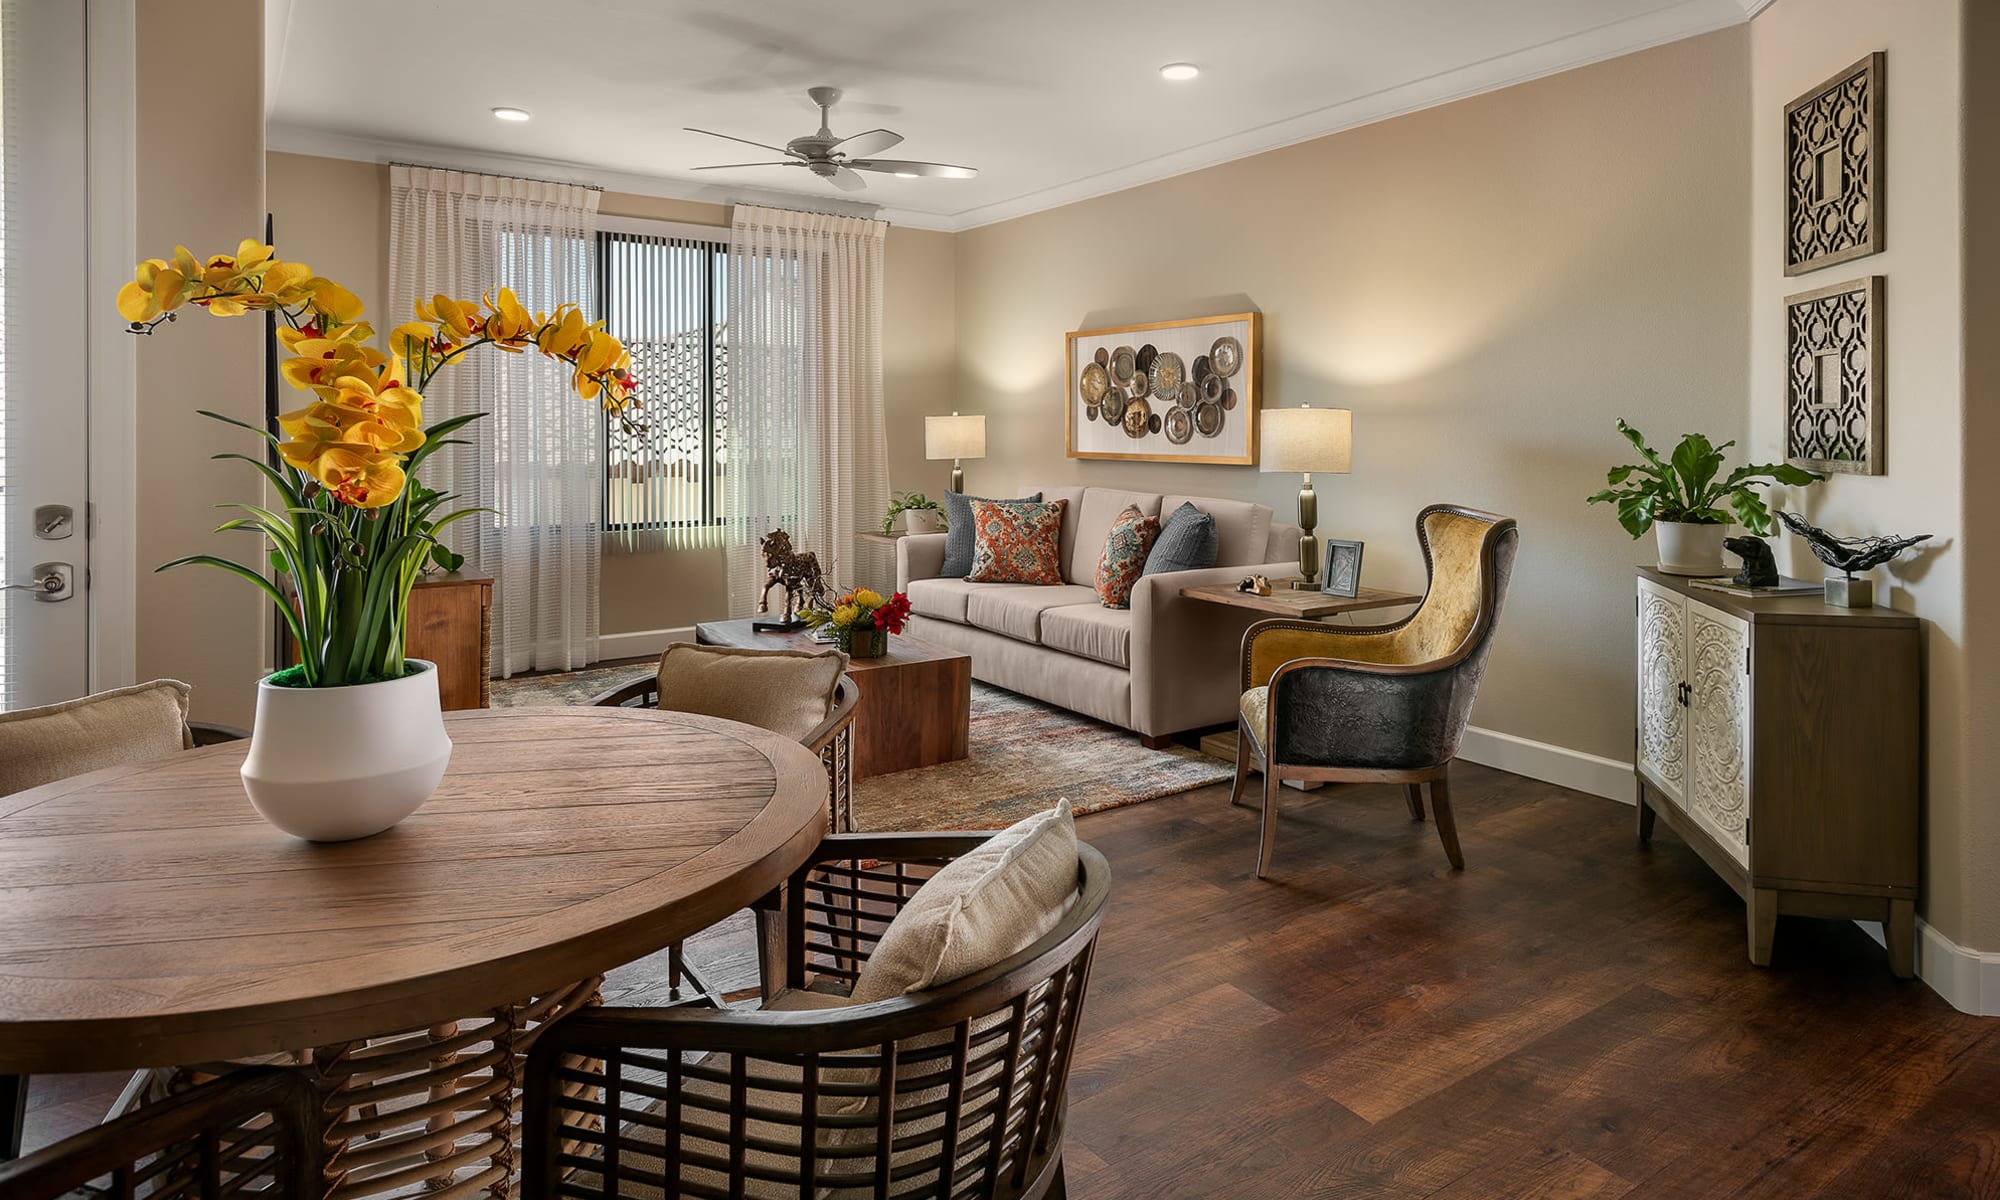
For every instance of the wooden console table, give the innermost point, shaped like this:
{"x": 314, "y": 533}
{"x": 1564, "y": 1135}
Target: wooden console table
{"x": 451, "y": 624}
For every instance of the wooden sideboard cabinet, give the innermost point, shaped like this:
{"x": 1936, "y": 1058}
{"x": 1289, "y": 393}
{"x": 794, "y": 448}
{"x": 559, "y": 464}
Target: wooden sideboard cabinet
{"x": 451, "y": 624}
{"x": 1782, "y": 739}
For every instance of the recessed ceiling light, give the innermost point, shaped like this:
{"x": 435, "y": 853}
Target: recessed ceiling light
{"x": 1179, "y": 71}
{"x": 512, "y": 114}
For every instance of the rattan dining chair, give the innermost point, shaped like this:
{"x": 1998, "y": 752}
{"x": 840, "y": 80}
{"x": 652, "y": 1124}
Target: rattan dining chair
{"x": 1386, "y": 703}
{"x": 254, "y": 1132}
{"x": 966, "y": 1082}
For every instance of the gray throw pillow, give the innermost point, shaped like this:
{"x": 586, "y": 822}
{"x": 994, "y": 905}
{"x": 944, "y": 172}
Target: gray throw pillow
{"x": 1187, "y": 542}
{"x": 959, "y": 538}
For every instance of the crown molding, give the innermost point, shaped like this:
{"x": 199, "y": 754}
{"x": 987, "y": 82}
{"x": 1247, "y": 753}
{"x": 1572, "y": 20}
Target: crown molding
{"x": 1670, "y": 23}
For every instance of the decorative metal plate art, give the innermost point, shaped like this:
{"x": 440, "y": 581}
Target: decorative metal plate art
{"x": 1834, "y": 170}
{"x": 1833, "y": 380}
{"x": 1160, "y": 392}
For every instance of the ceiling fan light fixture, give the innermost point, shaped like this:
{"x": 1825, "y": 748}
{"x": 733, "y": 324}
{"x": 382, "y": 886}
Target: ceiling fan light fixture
{"x": 1179, "y": 72}
{"x": 510, "y": 113}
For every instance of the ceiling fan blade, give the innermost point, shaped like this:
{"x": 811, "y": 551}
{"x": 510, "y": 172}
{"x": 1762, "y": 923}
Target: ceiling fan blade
{"x": 900, "y": 166}
{"x": 861, "y": 145}
{"x": 732, "y": 137}
{"x": 790, "y": 162}
{"x": 846, "y": 180}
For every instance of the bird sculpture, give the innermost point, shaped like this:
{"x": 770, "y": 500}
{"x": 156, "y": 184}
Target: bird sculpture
{"x": 1848, "y": 555}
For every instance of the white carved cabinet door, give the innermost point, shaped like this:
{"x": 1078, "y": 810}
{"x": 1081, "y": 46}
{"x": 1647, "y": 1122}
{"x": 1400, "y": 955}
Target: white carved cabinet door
{"x": 1719, "y": 727}
{"x": 1662, "y": 669}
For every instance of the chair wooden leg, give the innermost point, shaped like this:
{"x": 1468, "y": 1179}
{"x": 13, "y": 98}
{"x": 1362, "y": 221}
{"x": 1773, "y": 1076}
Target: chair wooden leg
{"x": 1267, "y": 840}
{"x": 1414, "y": 793}
{"x": 1242, "y": 766}
{"x": 13, "y": 1114}
{"x": 1447, "y": 827}
{"x": 676, "y": 968}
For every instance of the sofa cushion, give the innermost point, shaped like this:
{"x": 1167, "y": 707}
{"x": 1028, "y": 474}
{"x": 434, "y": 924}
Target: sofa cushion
{"x": 109, "y": 729}
{"x": 1090, "y": 631}
{"x": 1095, "y": 514}
{"x": 1016, "y": 542}
{"x": 978, "y": 910}
{"x": 1017, "y": 611}
{"x": 1242, "y": 528}
{"x": 785, "y": 691}
{"x": 943, "y": 598}
{"x": 1187, "y": 542}
{"x": 959, "y": 540}
{"x": 1124, "y": 556}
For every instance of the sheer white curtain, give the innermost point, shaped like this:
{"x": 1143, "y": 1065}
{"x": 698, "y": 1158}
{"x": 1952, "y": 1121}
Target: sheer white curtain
{"x": 537, "y": 459}
{"x": 806, "y": 447}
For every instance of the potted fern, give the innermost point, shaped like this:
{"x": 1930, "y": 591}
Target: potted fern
{"x": 1687, "y": 501}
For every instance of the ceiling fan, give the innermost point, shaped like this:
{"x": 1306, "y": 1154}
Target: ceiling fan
{"x": 839, "y": 160}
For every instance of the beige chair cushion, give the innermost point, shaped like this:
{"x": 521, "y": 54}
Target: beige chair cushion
{"x": 1090, "y": 631}
{"x": 978, "y": 910}
{"x": 110, "y": 729}
{"x": 1016, "y": 609}
{"x": 1242, "y": 529}
{"x": 784, "y": 691}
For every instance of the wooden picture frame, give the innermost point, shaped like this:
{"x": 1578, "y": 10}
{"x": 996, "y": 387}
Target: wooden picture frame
{"x": 1834, "y": 343}
{"x": 1834, "y": 169}
{"x": 1341, "y": 574}
{"x": 1217, "y": 421}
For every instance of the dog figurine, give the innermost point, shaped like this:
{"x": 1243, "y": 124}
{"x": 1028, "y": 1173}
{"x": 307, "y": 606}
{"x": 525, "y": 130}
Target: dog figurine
{"x": 1759, "y": 568}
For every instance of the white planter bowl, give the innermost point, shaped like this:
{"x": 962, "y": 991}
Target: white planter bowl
{"x": 1687, "y": 549}
{"x": 922, "y": 520}
{"x": 335, "y": 764}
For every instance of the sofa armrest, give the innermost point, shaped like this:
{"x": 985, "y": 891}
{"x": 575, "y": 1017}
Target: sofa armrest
{"x": 918, "y": 556}
{"x": 1185, "y": 673}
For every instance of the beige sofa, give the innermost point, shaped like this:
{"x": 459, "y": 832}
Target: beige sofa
{"x": 1164, "y": 665}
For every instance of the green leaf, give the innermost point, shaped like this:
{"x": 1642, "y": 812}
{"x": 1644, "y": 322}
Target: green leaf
{"x": 443, "y": 556}
{"x": 216, "y": 416}
{"x": 1618, "y": 475}
{"x": 1751, "y": 512}
{"x": 1635, "y": 513}
{"x": 1696, "y": 462}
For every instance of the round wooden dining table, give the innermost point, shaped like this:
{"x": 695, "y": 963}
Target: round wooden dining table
{"x": 150, "y": 918}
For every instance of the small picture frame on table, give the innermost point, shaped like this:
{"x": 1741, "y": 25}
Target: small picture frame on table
{"x": 1342, "y": 576}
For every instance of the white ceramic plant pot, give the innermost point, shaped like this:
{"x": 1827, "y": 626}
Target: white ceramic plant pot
{"x": 923, "y": 520}
{"x": 335, "y": 764}
{"x": 1687, "y": 549}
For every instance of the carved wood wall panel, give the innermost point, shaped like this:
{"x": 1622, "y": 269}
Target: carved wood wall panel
{"x": 1662, "y": 667}
{"x": 1833, "y": 169}
{"x": 1718, "y": 732}
{"x": 1833, "y": 378}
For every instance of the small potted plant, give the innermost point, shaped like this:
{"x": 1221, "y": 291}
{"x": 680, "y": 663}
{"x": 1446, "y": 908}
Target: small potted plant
{"x": 861, "y": 621}
{"x": 1689, "y": 502}
{"x": 920, "y": 514}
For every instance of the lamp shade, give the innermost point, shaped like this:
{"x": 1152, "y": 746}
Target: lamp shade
{"x": 1306, "y": 439}
{"x": 955, "y": 437}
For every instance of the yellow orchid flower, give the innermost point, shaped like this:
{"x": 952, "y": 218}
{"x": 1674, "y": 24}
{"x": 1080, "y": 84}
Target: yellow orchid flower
{"x": 335, "y": 303}
{"x": 455, "y": 319}
{"x": 508, "y": 323}
{"x": 290, "y": 282}
{"x": 156, "y": 287}
{"x": 251, "y": 254}
{"x": 360, "y": 479}
{"x": 566, "y": 334}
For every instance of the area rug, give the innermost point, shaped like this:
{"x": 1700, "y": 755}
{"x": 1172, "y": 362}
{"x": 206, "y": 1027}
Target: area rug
{"x": 1025, "y": 755}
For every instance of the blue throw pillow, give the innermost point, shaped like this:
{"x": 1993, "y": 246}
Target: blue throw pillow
{"x": 958, "y": 533}
{"x": 1187, "y": 542}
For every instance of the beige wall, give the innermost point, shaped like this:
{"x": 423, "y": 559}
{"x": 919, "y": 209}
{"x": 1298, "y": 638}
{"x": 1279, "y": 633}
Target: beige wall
{"x": 1795, "y": 45}
{"x": 333, "y": 214}
{"x": 1488, "y": 285}
{"x": 200, "y": 184}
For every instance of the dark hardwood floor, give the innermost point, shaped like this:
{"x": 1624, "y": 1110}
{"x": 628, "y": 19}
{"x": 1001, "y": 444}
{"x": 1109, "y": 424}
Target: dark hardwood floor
{"x": 1573, "y": 1016}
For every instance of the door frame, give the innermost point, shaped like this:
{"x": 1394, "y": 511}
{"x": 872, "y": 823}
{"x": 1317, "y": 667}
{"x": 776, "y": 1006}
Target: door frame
{"x": 111, "y": 363}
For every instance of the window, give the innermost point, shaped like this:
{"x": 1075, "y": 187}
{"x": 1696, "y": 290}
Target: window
{"x": 665, "y": 289}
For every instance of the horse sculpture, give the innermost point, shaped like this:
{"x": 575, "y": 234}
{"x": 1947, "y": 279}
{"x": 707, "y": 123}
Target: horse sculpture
{"x": 798, "y": 573}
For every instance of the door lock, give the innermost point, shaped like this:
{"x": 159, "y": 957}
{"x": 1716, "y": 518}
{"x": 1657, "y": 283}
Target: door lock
{"x": 54, "y": 522}
{"x": 51, "y": 582}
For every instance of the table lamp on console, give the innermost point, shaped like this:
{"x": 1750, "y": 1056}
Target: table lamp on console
{"x": 1306, "y": 439}
{"x": 955, "y": 437}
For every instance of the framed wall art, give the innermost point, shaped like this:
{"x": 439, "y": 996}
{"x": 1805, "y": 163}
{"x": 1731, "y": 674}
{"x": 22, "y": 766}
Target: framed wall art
{"x": 1833, "y": 378}
{"x": 1173, "y": 391}
{"x": 1834, "y": 169}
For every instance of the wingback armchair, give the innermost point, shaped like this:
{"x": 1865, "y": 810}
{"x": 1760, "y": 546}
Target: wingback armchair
{"x": 1386, "y": 703}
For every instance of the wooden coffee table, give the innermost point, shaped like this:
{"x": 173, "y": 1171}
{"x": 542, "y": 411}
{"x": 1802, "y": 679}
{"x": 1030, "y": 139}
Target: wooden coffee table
{"x": 915, "y": 704}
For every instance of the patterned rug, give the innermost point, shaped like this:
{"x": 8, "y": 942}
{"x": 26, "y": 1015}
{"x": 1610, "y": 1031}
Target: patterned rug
{"x": 1025, "y": 755}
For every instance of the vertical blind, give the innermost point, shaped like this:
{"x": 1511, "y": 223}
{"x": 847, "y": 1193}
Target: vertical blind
{"x": 665, "y": 298}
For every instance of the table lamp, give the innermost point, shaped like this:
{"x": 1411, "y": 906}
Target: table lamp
{"x": 1307, "y": 439}
{"x": 955, "y": 437}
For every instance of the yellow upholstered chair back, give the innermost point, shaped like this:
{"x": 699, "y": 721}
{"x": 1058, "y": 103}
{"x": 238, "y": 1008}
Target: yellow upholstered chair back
{"x": 1455, "y": 550}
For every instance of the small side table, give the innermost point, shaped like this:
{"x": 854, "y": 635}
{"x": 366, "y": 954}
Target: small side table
{"x": 1285, "y": 602}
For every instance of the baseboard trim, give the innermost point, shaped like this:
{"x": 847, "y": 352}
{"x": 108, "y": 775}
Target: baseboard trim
{"x": 640, "y": 642}
{"x": 1590, "y": 773}
{"x": 1969, "y": 980}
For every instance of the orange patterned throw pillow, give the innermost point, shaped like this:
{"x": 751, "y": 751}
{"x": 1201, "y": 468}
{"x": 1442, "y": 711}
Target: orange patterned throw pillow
{"x": 1124, "y": 556}
{"x": 1014, "y": 541}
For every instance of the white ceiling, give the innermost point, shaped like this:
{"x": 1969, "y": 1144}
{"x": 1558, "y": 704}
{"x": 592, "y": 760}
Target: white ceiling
{"x": 1053, "y": 100}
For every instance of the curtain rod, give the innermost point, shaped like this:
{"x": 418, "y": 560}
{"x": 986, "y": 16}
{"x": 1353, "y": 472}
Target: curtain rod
{"x": 589, "y": 187}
